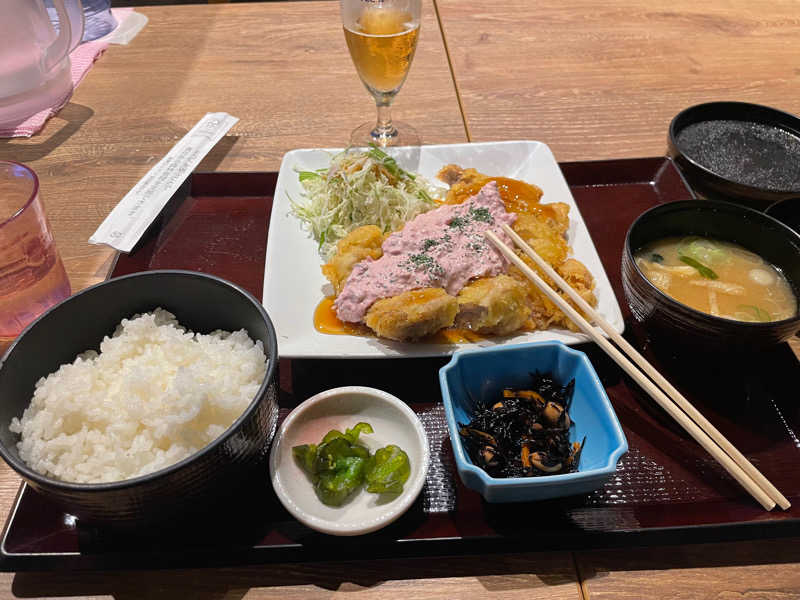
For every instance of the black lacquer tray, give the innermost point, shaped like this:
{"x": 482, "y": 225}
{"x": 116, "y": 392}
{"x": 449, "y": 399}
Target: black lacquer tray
{"x": 666, "y": 490}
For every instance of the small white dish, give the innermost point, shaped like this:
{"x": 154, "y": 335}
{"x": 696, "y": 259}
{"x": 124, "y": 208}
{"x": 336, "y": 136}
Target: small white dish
{"x": 293, "y": 281}
{"x": 393, "y": 422}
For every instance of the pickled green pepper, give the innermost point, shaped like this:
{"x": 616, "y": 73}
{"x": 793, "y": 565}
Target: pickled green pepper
{"x": 340, "y": 465}
{"x": 387, "y": 470}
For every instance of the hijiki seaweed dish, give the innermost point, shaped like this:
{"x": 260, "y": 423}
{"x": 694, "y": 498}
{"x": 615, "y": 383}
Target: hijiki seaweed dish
{"x": 525, "y": 433}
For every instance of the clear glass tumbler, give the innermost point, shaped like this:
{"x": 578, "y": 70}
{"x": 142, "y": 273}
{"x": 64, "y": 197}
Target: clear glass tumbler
{"x": 99, "y": 20}
{"x": 32, "y": 276}
{"x": 97, "y": 15}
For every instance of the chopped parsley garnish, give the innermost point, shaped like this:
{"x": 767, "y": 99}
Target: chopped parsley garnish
{"x": 481, "y": 214}
{"x": 475, "y": 214}
{"x": 458, "y": 222}
{"x": 426, "y": 263}
{"x": 429, "y": 243}
{"x": 420, "y": 260}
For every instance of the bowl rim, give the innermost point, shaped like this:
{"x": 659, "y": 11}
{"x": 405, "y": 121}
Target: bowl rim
{"x": 463, "y": 463}
{"x": 779, "y": 204}
{"x": 33, "y": 194}
{"x": 710, "y": 205}
{"x": 272, "y": 361}
{"x": 398, "y": 506}
{"x": 741, "y": 189}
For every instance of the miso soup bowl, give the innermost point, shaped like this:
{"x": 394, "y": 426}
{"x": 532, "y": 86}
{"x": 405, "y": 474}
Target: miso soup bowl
{"x": 202, "y": 303}
{"x": 668, "y": 318}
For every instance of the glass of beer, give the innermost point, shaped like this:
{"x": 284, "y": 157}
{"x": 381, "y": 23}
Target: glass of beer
{"x": 382, "y": 37}
{"x": 32, "y": 276}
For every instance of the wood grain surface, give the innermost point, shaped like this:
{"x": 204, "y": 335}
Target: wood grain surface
{"x": 281, "y": 67}
{"x": 593, "y": 80}
{"x": 758, "y": 570}
{"x": 603, "y": 80}
{"x": 504, "y": 577}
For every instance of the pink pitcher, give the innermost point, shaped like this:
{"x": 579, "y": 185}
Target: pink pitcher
{"x": 34, "y": 59}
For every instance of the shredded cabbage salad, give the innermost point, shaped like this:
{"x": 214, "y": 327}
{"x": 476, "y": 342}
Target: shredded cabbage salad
{"x": 360, "y": 188}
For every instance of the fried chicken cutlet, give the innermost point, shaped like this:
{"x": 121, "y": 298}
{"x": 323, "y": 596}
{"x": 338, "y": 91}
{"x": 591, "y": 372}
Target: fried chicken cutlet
{"x": 544, "y": 313}
{"x": 413, "y": 314}
{"x": 492, "y": 306}
{"x": 488, "y": 305}
{"x": 357, "y": 245}
{"x": 409, "y": 292}
{"x": 544, "y": 227}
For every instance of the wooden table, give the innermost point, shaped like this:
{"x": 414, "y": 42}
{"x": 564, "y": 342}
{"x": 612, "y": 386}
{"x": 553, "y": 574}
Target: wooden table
{"x": 593, "y": 81}
{"x": 282, "y": 68}
{"x": 604, "y": 80}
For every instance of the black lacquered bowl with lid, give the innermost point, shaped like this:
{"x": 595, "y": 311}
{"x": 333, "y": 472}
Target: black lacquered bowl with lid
{"x": 737, "y": 151}
{"x": 682, "y": 325}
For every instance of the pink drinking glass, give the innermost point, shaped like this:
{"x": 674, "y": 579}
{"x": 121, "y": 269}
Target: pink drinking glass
{"x": 32, "y": 276}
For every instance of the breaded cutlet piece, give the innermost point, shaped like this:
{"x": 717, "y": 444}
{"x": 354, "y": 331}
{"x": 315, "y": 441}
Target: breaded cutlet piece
{"x": 492, "y": 306}
{"x": 543, "y": 226}
{"x": 458, "y": 178}
{"x": 357, "y": 245}
{"x": 413, "y": 314}
{"x": 581, "y": 280}
{"x": 544, "y": 313}
{"x": 545, "y": 231}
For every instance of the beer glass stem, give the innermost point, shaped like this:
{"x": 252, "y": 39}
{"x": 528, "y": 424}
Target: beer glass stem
{"x": 384, "y": 131}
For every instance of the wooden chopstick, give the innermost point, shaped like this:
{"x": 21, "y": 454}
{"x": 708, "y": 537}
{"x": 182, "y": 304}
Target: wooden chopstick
{"x": 651, "y": 371}
{"x": 692, "y": 428}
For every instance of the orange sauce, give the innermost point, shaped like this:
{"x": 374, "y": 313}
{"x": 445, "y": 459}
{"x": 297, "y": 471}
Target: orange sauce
{"x": 518, "y": 196}
{"x": 454, "y": 336}
{"x": 326, "y": 321}
{"x": 542, "y": 209}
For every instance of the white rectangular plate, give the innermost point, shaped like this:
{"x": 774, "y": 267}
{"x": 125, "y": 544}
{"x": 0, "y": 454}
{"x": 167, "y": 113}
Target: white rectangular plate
{"x": 294, "y": 284}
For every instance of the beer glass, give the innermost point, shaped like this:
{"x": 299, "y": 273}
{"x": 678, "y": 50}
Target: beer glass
{"x": 382, "y": 37}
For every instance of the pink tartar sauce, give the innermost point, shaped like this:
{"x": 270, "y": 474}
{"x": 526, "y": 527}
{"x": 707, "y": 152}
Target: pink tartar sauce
{"x": 444, "y": 248}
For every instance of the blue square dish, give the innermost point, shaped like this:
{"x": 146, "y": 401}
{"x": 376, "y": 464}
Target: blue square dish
{"x": 477, "y": 376}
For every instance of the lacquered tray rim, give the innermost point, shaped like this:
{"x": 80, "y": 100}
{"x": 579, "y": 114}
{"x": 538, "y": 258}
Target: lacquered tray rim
{"x": 260, "y": 553}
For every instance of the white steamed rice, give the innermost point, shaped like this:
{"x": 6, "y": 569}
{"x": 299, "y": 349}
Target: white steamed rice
{"x": 154, "y": 395}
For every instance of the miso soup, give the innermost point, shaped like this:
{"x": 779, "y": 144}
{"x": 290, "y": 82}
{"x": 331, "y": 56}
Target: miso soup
{"x": 718, "y": 278}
